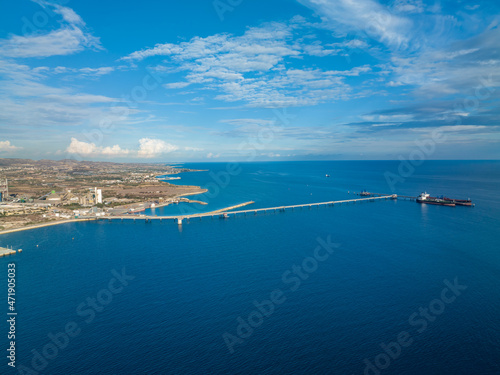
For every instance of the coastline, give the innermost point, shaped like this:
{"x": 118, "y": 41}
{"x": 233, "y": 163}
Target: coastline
{"x": 28, "y": 227}
{"x": 58, "y": 222}
{"x": 36, "y": 226}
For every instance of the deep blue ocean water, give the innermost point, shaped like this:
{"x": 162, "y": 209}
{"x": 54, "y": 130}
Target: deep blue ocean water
{"x": 192, "y": 284}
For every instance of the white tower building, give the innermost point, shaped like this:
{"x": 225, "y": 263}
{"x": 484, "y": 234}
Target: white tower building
{"x": 98, "y": 195}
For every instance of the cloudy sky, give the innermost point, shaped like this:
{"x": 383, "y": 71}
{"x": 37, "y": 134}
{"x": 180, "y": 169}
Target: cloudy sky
{"x": 249, "y": 80}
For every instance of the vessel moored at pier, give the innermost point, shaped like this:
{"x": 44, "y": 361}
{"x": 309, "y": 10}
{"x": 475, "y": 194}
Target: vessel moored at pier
{"x": 427, "y": 199}
{"x": 459, "y": 202}
{"x": 443, "y": 201}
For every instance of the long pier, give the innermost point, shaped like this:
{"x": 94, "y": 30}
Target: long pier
{"x": 404, "y": 197}
{"x": 225, "y": 213}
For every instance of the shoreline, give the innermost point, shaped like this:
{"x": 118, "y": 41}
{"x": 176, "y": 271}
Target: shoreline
{"x": 28, "y": 227}
{"x": 59, "y": 222}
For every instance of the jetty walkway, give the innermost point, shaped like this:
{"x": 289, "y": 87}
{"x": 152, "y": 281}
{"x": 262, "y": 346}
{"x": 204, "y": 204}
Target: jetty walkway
{"x": 369, "y": 194}
{"x": 226, "y": 212}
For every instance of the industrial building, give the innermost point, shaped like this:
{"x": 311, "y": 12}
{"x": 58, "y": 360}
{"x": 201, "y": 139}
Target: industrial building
{"x": 4, "y": 189}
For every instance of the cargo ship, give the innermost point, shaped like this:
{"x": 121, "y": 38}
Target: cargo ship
{"x": 427, "y": 199}
{"x": 459, "y": 202}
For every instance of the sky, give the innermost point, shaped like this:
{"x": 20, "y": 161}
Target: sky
{"x": 249, "y": 80}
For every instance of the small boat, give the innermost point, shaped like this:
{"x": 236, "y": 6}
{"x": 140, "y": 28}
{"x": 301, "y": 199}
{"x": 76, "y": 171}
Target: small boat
{"x": 327, "y": 175}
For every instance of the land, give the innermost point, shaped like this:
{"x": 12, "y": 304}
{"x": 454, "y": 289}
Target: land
{"x": 47, "y": 192}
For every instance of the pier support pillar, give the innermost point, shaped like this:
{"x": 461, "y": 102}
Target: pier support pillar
{"x": 179, "y": 221}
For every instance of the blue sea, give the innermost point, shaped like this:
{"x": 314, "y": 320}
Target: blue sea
{"x": 383, "y": 287}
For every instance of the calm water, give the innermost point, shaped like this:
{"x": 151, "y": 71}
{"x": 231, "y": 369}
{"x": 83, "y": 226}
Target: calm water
{"x": 194, "y": 284}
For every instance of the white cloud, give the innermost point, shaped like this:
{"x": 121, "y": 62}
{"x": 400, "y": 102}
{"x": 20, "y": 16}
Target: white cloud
{"x": 211, "y": 155}
{"x": 114, "y": 151}
{"x": 472, "y": 7}
{"x": 457, "y": 68}
{"x": 193, "y": 149}
{"x": 176, "y": 85}
{"x": 394, "y": 84}
{"x": 150, "y": 148}
{"x": 26, "y": 101}
{"x": 350, "y": 44}
{"x": 408, "y": 6}
{"x": 158, "y": 50}
{"x": 90, "y": 149}
{"x": 64, "y": 41}
{"x": 456, "y": 128}
{"x": 96, "y": 71}
{"x": 255, "y": 67}
{"x": 82, "y": 72}
{"x": 271, "y": 155}
{"x": 387, "y": 118}
{"x": 81, "y": 148}
{"x": 6, "y": 146}
{"x": 363, "y": 16}
{"x": 386, "y": 124}
{"x": 80, "y": 98}
{"x": 257, "y": 49}
{"x": 68, "y": 39}
{"x": 248, "y": 121}
{"x": 69, "y": 15}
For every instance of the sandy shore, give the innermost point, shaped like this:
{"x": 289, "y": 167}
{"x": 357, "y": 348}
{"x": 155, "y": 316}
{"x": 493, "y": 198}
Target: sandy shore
{"x": 58, "y": 222}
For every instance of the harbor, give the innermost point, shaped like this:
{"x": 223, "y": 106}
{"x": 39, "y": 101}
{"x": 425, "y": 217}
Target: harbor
{"x": 227, "y": 212}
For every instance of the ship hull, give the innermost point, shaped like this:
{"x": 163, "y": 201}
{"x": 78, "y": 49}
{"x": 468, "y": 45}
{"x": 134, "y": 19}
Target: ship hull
{"x": 437, "y": 203}
{"x": 463, "y": 203}
{"x": 459, "y": 202}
